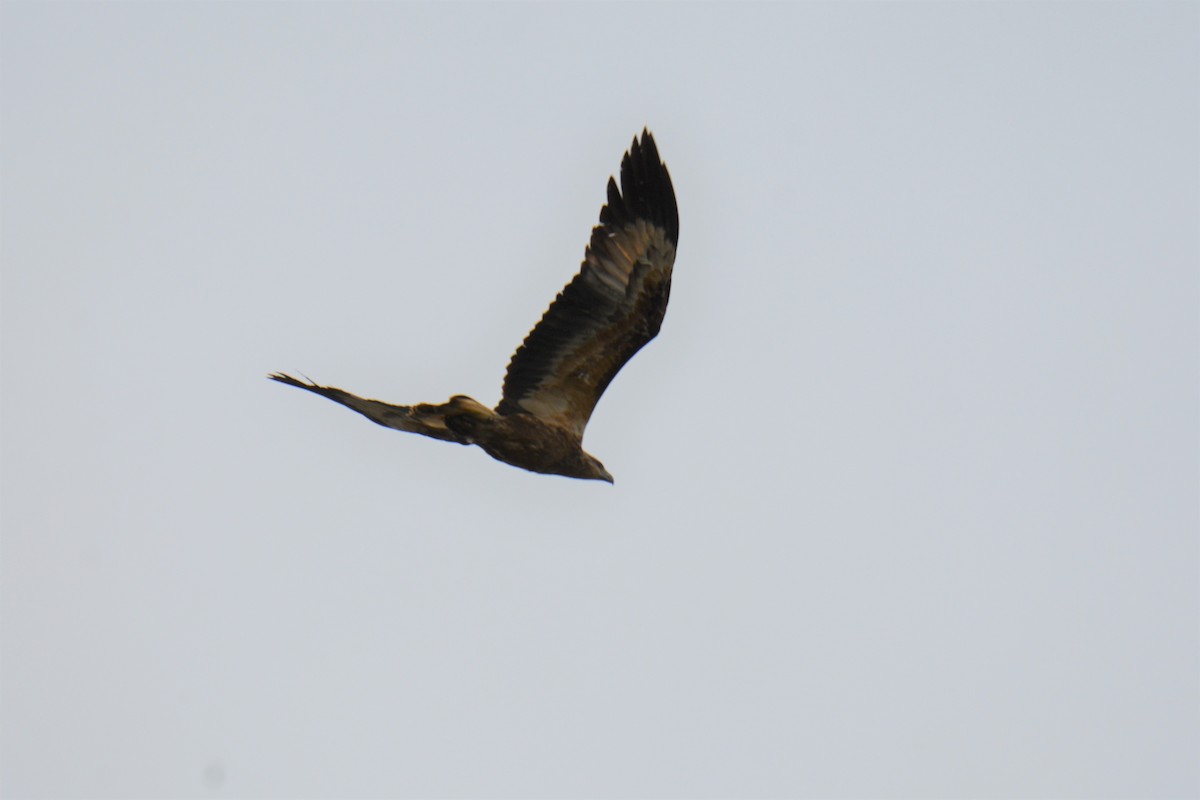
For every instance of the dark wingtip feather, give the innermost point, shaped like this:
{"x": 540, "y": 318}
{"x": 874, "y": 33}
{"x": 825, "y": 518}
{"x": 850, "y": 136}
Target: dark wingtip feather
{"x": 646, "y": 190}
{"x": 290, "y": 381}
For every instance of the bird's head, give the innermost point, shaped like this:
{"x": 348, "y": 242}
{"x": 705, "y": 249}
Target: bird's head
{"x": 594, "y": 470}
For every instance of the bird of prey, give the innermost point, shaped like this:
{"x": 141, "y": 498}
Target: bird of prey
{"x": 613, "y": 307}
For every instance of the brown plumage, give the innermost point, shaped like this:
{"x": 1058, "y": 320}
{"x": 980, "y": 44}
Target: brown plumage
{"x": 604, "y": 315}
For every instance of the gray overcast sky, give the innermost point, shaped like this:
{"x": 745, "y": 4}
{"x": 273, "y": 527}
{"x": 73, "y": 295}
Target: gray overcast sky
{"x": 906, "y": 497}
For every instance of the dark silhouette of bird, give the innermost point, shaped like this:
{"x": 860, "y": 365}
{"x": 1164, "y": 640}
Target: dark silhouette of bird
{"x": 609, "y": 311}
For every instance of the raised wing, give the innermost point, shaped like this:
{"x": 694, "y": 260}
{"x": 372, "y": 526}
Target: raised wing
{"x": 612, "y": 307}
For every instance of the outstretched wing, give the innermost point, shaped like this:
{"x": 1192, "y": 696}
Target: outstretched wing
{"x": 424, "y": 418}
{"x": 612, "y": 307}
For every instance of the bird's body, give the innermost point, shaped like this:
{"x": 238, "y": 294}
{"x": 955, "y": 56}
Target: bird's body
{"x": 612, "y": 308}
{"x": 526, "y": 441}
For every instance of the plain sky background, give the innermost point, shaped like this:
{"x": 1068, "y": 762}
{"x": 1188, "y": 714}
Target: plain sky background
{"x": 906, "y": 497}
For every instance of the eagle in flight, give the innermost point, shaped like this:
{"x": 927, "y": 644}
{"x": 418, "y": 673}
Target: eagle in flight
{"x": 604, "y": 315}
